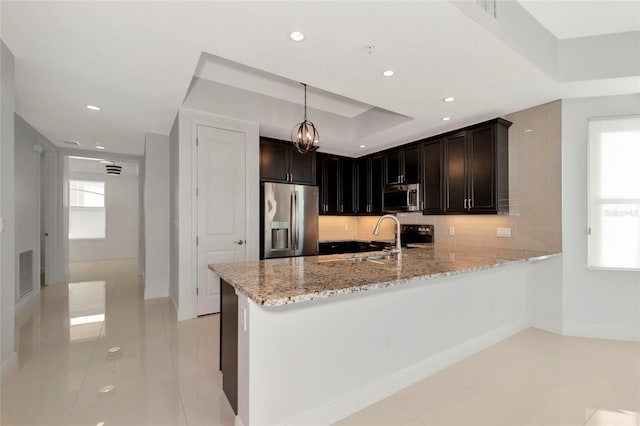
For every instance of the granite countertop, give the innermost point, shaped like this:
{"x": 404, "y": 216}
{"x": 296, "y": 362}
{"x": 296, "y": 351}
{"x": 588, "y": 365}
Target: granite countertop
{"x": 275, "y": 282}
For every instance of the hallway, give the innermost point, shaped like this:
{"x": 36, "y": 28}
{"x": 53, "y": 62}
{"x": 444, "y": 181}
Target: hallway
{"x": 164, "y": 374}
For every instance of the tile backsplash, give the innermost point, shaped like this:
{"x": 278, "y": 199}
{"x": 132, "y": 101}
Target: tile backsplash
{"x": 535, "y": 197}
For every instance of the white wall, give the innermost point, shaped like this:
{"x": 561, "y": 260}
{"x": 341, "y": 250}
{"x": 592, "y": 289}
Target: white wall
{"x": 27, "y": 196}
{"x": 596, "y": 303}
{"x": 174, "y": 212}
{"x": 156, "y": 216}
{"x": 121, "y": 202}
{"x": 7, "y": 212}
{"x": 183, "y": 176}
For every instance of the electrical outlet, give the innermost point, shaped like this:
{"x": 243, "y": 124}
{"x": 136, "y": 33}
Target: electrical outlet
{"x": 452, "y": 231}
{"x": 503, "y": 232}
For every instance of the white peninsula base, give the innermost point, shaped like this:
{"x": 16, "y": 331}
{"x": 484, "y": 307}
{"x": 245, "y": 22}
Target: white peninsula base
{"x": 316, "y": 362}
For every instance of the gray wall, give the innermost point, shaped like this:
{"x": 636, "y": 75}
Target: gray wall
{"x": 596, "y": 303}
{"x": 7, "y": 236}
{"x": 156, "y": 216}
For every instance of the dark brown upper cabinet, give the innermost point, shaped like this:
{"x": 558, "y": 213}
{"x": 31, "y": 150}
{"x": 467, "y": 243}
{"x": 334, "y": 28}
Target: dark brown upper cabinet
{"x": 476, "y": 164}
{"x": 335, "y": 177}
{"x": 402, "y": 166}
{"x": 348, "y": 185}
{"x": 369, "y": 184}
{"x": 433, "y": 177}
{"x": 280, "y": 161}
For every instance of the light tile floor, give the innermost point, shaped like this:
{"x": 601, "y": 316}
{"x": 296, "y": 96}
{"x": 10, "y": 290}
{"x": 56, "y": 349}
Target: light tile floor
{"x": 167, "y": 372}
{"x": 532, "y": 378}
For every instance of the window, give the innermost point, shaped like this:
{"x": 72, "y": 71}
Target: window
{"x": 614, "y": 193}
{"x": 86, "y": 209}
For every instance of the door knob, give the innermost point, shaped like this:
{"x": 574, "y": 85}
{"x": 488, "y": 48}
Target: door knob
{"x": 239, "y": 242}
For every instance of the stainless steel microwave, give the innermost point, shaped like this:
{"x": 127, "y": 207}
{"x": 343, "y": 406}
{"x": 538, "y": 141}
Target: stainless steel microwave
{"x": 401, "y": 198}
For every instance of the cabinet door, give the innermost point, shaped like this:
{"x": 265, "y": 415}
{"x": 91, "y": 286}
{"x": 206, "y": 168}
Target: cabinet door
{"x": 273, "y": 161}
{"x": 302, "y": 167}
{"x": 482, "y": 170}
{"x": 456, "y": 173}
{"x": 393, "y": 168}
{"x": 411, "y": 159}
{"x": 347, "y": 173}
{"x": 332, "y": 179}
{"x": 377, "y": 181}
{"x": 363, "y": 189}
{"x": 433, "y": 177}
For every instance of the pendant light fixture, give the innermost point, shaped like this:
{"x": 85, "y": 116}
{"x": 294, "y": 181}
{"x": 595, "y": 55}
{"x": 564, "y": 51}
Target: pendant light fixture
{"x": 305, "y": 136}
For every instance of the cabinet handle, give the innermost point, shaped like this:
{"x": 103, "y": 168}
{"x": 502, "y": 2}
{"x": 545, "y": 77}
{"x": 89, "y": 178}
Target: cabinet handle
{"x": 421, "y": 205}
{"x": 341, "y": 208}
{"x": 465, "y": 203}
{"x": 470, "y": 202}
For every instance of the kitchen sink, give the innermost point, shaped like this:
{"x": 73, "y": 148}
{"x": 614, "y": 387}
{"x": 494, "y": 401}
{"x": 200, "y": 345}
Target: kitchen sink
{"x": 384, "y": 256}
{"x": 375, "y": 258}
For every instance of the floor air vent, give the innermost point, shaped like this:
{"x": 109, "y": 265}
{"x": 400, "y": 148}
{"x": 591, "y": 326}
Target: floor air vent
{"x": 25, "y": 280}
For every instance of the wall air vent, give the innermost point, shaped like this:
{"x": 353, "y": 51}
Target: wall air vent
{"x": 76, "y": 143}
{"x": 25, "y": 273}
{"x": 489, "y": 6}
{"x": 113, "y": 169}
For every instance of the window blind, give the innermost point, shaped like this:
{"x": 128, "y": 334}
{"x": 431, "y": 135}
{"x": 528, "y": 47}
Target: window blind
{"x": 614, "y": 193}
{"x": 87, "y": 216}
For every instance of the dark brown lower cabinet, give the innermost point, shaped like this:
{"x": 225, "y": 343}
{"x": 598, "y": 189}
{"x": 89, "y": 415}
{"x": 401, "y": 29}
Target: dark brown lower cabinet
{"x": 229, "y": 343}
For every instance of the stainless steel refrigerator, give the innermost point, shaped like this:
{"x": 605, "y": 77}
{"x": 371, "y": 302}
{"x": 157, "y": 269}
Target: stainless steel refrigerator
{"x": 289, "y": 220}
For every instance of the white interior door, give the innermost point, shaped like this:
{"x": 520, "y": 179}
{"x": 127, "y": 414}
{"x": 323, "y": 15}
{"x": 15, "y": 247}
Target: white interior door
{"x": 221, "y": 208}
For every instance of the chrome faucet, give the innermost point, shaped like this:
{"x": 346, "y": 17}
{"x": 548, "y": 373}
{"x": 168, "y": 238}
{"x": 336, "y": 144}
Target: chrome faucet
{"x": 376, "y": 230}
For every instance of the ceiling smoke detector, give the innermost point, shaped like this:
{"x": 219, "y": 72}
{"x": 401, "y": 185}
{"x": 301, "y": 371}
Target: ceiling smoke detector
{"x": 113, "y": 169}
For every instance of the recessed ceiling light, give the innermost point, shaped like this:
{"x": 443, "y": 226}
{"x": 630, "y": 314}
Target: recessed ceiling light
{"x": 105, "y": 162}
{"x": 297, "y": 36}
{"x": 388, "y": 73}
{"x": 449, "y": 99}
{"x": 446, "y": 118}
{"x": 93, "y": 107}
{"x": 363, "y": 146}
{"x": 99, "y": 147}
{"x": 68, "y": 142}
{"x": 528, "y": 130}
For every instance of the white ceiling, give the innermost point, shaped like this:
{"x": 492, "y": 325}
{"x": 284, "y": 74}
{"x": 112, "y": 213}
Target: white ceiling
{"x": 570, "y": 19}
{"x": 137, "y": 61}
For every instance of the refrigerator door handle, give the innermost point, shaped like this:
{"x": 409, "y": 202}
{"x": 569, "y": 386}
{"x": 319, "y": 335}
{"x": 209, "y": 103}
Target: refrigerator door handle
{"x": 296, "y": 218}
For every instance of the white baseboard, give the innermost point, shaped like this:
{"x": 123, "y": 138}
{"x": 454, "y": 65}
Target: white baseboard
{"x": 8, "y": 364}
{"x": 601, "y": 332}
{"x": 155, "y": 294}
{"x": 355, "y": 401}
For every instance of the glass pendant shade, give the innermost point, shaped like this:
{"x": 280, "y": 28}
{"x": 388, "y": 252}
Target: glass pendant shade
{"x": 305, "y": 136}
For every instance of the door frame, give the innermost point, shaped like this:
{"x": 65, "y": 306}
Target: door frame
{"x": 188, "y": 122}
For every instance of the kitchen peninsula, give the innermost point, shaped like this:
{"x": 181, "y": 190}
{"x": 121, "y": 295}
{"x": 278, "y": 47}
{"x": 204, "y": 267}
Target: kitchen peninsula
{"x": 320, "y": 337}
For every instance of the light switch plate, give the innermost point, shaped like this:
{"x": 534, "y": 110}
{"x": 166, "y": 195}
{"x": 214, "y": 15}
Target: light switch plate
{"x": 452, "y": 231}
{"x": 503, "y": 232}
